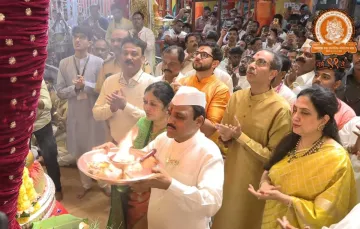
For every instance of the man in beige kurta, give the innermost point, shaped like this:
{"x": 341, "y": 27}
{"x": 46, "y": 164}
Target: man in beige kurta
{"x": 263, "y": 120}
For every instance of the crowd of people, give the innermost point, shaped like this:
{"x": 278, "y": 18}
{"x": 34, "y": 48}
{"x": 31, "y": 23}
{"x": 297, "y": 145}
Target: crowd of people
{"x": 252, "y": 129}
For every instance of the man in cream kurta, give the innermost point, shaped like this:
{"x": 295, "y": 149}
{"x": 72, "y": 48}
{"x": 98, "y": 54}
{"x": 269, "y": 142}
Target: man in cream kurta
{"x": 186, "y": 189}
{"x": 112, "y": 66}
{"x": 76, "y": 82}
{"x": 128, "y": 88}
{"x": 262, "y": 118}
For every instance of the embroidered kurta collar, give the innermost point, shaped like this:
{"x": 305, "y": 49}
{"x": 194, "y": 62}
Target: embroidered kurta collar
{"x": 262, "y": 96}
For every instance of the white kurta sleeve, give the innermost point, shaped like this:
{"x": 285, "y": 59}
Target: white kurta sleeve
{"x": 89, "y": 87}
{"x": 206, "y": 197}
{"x": 64, "y": 91}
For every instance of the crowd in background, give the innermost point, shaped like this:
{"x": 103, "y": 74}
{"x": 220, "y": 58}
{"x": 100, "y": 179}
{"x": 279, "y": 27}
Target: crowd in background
{"x": 219, "y": 60}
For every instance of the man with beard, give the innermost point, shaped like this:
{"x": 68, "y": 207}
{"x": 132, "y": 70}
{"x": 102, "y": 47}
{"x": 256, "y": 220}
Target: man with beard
{"x": 350, "y": 92}
{"x": 207, "y": 58}
{"x": 172, "y": 62}
{"x": 328, "y": 75}
{"x": 254, "y": 122}
{"x": 121, "y": 98}
{"x": 146, "y": 35}
{"x": 304, "y": 73}
{"x": 242, "y": 82}
{"x": 75, "y": 82}
{"x": 112, "y": 66}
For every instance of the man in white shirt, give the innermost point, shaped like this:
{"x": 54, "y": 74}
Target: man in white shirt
{"x": 191, "y": 44}
{"x": 279, "y": 85}
{"x": 186, "y": 189}
{"x": 350, "y": 133}
{"x": 243, "y": 83}
{"x": 121, "y": 98}
{"x": 172, "y": 62}
{"x": 175, "y": 35}
{"x": 272, "y": 41}
{"x": 146, "y": 35}
{"x": 305, "y": 69}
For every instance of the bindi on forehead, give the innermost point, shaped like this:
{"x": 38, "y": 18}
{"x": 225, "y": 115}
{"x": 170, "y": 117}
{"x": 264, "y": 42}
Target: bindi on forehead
{"x": 204, "y": 49}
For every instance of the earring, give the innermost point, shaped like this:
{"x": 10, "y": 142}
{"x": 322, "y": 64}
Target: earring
{"x": 321, "y": 127}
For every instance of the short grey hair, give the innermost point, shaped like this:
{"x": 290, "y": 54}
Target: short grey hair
{"x": 276, "y": 63}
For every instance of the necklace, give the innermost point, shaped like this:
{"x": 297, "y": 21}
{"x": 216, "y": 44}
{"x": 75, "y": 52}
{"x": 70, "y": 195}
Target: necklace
{"x": 293, "y": 154}
{"x": 175, "y": 162}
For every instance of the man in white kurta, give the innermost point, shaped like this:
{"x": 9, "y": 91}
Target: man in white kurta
{"x": 186, "y": 189}
{"x": 146, "y": 35}
{"x": 76, "y": 82}
{"x": 306, "y": 67}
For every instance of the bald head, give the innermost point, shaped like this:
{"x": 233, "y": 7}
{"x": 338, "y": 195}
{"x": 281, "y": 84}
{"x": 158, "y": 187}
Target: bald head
{"x": 116, "y": 38}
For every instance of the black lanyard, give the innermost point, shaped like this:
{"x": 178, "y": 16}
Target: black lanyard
{"x": 77, "y": 69}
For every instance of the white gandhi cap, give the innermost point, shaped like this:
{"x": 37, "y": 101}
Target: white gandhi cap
{"x": 189, "y": 96}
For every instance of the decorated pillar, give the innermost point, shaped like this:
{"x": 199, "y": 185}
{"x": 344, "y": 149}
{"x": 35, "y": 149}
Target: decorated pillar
{"x": 22, "y": 61}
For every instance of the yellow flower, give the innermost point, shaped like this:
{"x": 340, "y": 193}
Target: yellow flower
{"x": 23, "y": 220}
{"x": 26, "y": 205}
{"x": 36, "y": 207}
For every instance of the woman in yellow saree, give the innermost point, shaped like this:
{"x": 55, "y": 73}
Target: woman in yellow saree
{"x": 309, "y": 178}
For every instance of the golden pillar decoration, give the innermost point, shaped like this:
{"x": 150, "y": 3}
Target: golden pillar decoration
{"x": 143, "y": 7}
{"x": 157, "y": 21}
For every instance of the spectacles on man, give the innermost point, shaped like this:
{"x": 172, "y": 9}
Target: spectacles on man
{"x": 258, "y": 62}
{"x": 203, "y": 55}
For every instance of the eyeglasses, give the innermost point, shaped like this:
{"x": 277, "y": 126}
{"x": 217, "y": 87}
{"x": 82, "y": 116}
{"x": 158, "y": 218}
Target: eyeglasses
{"x": 259, "y": 62}
{"x": 306, "y": 54}
{"x": 203, "y": 55}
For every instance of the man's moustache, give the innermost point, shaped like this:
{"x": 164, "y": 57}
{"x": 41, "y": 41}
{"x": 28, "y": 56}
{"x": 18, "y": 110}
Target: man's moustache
{"x": 167, "y": 70}
{"x": 128, "y": 62}
{"x": 171, "y": 125}
{"x": 301, "y": 59}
